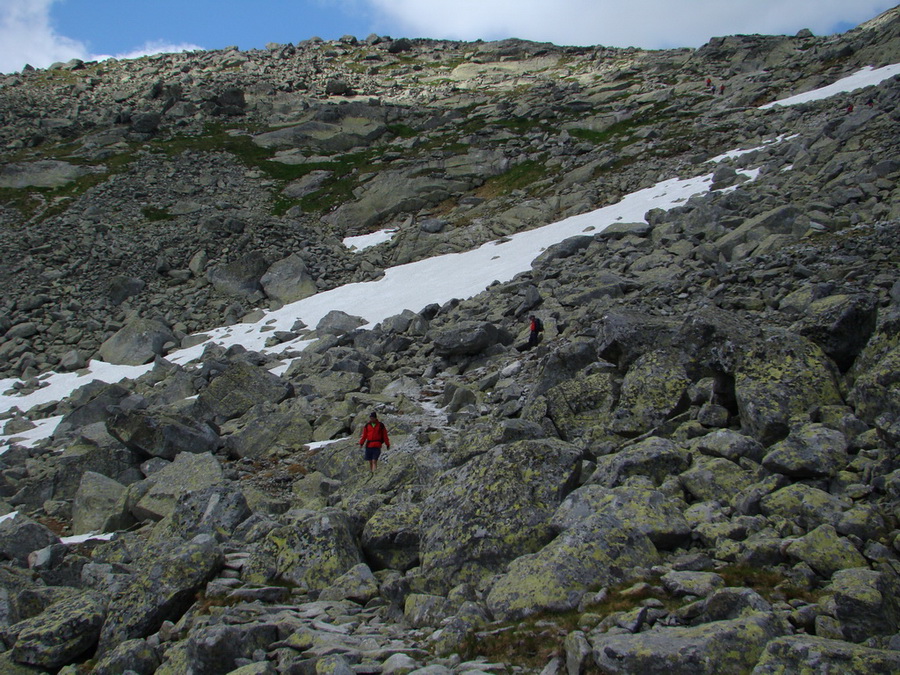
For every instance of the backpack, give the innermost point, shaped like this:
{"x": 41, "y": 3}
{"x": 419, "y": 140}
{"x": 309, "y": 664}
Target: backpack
{"x": 538, "y": 325}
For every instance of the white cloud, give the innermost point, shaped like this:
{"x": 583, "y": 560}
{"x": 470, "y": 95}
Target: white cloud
{"x": 26, "y": 37}
{"x": 148, "y": 49}
{"x": 642, "y": 23}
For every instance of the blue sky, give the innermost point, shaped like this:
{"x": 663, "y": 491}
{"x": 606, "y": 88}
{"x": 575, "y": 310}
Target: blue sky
{"x": 40, "y": 32}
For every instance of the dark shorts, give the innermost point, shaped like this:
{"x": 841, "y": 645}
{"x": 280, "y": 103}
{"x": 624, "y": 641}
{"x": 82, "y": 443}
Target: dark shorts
{"x": 373, "y": 453}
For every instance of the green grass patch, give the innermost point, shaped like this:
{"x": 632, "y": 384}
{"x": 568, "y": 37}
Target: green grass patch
{"x": 154, "y": 214}
{"x": 518, "y": 177}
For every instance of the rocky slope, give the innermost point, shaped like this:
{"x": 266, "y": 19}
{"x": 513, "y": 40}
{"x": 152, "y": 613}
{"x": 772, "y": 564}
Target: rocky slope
{"x": 696, "y": 471}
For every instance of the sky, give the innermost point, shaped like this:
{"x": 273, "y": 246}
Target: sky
{"x": 41, "y": 32}
{"x": 415, "y": 285}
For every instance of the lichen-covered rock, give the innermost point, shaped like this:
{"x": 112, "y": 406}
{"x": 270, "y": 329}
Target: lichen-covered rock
{"x": 715, "y": 478}
{"x": 390, "y": 538}
{"x": 162, "y": 434}
{"x": 137, "y": 343}
{"x": 654, "y": 389}
{"x": 357, "y": 584}
{"x": 809, "y": 451}
{"x": 719, "y": 647}
{"x": 826, "y": 551}
{"x": 650, "y": 511}
{"x": 877, "y": 390}
{"x": 811, "y": 654}
{"x": 779, "y": 381}
{"x": 216, "y": 510}
{"x": 283, "y": 429}
{"x": 137, "y": 656}
{"x": 421, "y": 609}
{"x": 840, "y": 324}
{"x": 216, "y": 649}
{"x": 600, "y": 550}
{"x": 865, "y": 602}
{"x": 683, "y": 582}
{"x": 656, "y": 458}
{"x": 806, "y": 506}
{"x": 731, "y": 445}
{"x": 311, "y": 553}
{"x": 582, "y": 404}
{"x": 162, "y": 588}
{"x": 240, "y": 387}
{"x": 495, "y": 508}
{"x": 61, "y": 633}
{"x": 188, "y": 473}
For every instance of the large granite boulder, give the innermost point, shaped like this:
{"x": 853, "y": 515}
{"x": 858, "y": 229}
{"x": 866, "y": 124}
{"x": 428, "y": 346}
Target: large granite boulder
{"x": 99, "y": 505}
{"x": 811, "y": 654}
{"x": 241, "y": 277}
{"x": 779, "y": 381}
{"x": 730, "y": 646}
{"x": 654, "y": 389}
{"x": 62, "y": 633}
{"x": 162, "y": 588}
{"x": 810, "y": 451}
{"x": 841, "y": 325}
{"x": 20, "y": 535}
{"x": 137, "y": 343}
{"x": 494, "y": 508}
{"x": 600, "y": 550}
{"x": 187, "y": 473}
{"x": 240, "y": 387}
{"x": 159, "y": 433}
{"x": 288, "y": 280}
{"x": 312, "y": 552}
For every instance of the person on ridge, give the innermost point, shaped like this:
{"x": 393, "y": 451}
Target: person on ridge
{"x": 535, "y": 329}
{"x": 374, "y": 435}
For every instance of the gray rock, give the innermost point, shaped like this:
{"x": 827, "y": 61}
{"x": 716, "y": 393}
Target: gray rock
{"x": 719, "y": 647}
{"x": 657, "y": 458}
{"x": 808, "y": 653}
{"x": 64, "y": 632}
{"x": 160, "y": 590}
{"x": 810, "y": 451}
{"x": 465, "y": 338}
{"x": 162, "y": 434}
{"x": 188, "y": 472}
{"x": 137, "y": 343}
{"x": 240, "y": 278}
{"x": 239, "y": 388}
{"x": 288, "y": 280}
{"x": 98, "y": 505}
{"x": 20, "y": 535}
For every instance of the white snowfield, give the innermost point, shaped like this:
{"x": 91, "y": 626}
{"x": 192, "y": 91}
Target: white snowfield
{"x": 866, "y": 77}
{"x": 412, "y": 286}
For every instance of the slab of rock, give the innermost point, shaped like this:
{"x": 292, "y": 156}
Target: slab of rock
{"x": 98, "y": 505}
{"x": 599, "y": 551}
{"x": 162, "y": 589}
{"x": 240, "y": 387}
{"x": 810, "y": 654}
{"x": 826, "y": 551}
{"x": 288, "y": 280}
{"x": 710, "y": 649}
{"x": 187, "y": 473}
{"x": 62, "y": 633}
{"x": 137, "y": 343}
{"x": 20, "y": 535}
{"x": 810, "y": 451}
{"x": 162, "y": 434}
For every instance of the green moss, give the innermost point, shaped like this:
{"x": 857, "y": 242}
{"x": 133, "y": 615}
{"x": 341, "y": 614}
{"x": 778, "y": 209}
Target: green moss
{"x": 154, "y": 214}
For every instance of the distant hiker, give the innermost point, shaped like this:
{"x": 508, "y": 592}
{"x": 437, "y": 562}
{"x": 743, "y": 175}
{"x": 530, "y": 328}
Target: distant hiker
{"x": 849, "y": 108}
{"x": 870, "y": 103}
{"x": 721, "y": 90}
{"x": 536, "y": 327}
{"x": 374, "y": 435}
{"x": 708, "y": 82}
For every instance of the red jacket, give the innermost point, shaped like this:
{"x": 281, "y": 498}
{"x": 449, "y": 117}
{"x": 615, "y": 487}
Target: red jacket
{"x": 373, "y": 435}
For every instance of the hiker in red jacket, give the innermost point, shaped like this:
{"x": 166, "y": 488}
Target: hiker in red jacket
{"x": 374, "y": 435}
